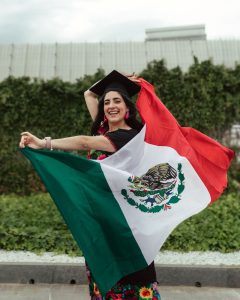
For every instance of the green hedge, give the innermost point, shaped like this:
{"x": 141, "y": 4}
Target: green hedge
{"x": 45, "y": 108}
{"x": 206, "y": 97}
{"x": 33, "y": 223}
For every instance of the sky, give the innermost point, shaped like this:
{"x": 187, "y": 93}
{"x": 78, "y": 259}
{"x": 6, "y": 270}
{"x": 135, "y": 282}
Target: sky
{"x": 64, "y": 21}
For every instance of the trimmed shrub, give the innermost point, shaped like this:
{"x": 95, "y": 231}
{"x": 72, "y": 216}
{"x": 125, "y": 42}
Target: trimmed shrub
{"x": 33, "y": 223}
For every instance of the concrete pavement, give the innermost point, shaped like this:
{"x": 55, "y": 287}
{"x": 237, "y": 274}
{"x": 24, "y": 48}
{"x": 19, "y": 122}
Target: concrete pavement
{"x": 80, "y": 292}
{"x": 55, "y": 281}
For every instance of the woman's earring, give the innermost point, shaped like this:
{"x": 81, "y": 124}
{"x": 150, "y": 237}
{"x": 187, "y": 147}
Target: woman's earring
{"x": 104, "y": 122}
{"x": 126, "y": 115}
{"x": 103, "y": 125}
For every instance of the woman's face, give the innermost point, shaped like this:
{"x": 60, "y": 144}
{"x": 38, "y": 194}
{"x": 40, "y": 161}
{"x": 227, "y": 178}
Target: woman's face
{"x": 114, "y": 107}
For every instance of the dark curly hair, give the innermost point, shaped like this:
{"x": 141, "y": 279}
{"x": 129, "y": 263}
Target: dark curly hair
{"x": 131, "y": 121}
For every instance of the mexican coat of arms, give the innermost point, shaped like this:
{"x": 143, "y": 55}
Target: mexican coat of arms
{"x": 158, "y": 189}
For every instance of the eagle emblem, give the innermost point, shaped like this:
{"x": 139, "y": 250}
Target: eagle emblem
{"x": 158, "y": 189}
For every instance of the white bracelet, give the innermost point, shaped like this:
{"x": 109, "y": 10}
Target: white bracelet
{"x": 48, "y": 144}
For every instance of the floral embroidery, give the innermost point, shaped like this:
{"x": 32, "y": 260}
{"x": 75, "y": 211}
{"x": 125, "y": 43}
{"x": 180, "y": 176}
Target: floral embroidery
{"x": 124, "y": 291}
{"x": 145, "y": 293}
{"x": 95, "y": 290}
{"x": 102, "y": 156}
{"x": 96, "y": 154}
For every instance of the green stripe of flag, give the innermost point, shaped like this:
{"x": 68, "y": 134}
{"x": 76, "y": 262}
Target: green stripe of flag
{"x": 82, "y": 194}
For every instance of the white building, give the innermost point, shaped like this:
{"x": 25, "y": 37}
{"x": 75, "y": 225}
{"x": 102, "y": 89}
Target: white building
{"x": 177, "y": 46}
{"x": 190, "y": 33}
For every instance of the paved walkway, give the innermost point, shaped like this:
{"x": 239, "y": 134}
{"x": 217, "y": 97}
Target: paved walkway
{"x": 77, "y": 292}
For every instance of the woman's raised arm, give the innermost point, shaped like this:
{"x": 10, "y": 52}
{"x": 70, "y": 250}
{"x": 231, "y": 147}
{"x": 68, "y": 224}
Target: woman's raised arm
{"x": 92, "y": 103}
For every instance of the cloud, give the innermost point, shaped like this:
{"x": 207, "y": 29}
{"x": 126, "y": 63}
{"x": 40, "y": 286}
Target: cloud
{"x": 35, "y": 21}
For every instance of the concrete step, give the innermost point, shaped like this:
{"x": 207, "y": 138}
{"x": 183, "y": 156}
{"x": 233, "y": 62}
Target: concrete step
{"x": 65, "y": 273}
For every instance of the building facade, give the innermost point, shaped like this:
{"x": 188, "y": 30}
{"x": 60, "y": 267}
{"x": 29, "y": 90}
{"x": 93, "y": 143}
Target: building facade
{"x": 176, "y": 45}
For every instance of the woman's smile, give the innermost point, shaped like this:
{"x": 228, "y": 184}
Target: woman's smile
{"x": 113, "y": 113}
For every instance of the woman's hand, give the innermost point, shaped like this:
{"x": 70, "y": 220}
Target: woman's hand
{"x": 89, "y": 93}
{"x": 133, "y": 77}
{"x": 30, "y": 140}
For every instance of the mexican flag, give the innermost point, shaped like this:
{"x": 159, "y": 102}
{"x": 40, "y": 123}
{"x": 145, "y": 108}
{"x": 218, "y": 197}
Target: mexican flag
{"x": 120, "y": 210}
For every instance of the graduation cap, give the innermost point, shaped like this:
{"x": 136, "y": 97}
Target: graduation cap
{"x": 115, "y": 81}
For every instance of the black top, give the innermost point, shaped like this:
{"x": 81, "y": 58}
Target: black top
{"x": 147, "y": 275}
{"x": 121, "y": 137}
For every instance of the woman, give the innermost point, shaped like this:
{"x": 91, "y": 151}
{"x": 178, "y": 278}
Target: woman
{"x": 114, "y": 125}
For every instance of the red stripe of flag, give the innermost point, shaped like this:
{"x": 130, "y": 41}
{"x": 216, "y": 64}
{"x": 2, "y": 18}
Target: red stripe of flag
{"x": 209, "y": 158}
